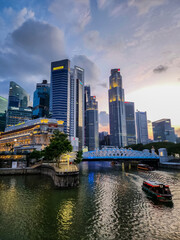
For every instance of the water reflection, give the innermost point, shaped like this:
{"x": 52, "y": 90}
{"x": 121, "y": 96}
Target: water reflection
{"x": 108, "y": 204}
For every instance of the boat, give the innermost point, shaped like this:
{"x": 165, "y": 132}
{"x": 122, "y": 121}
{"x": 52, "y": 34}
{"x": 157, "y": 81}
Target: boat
{"x": 158, "y": 191}
{"x": 145, "y": 167}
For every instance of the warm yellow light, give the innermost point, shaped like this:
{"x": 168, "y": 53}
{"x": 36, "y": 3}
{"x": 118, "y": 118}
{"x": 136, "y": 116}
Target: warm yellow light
{"x": 60, "y": 122}
{"x": 57, "y": 68}
{"x": 44, "y": 121}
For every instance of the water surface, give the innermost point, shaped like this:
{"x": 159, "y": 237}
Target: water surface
{"x": 108, "y": 204}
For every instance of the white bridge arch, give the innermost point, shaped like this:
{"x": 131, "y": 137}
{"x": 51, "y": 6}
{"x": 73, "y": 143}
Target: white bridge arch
{"x": 120, "y": 153}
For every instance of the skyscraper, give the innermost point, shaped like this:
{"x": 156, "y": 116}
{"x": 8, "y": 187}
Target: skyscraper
{"x": 41, "y": 100}
{"x": 77, "y": 105}
{"x": 60, "y": 92}
{"x": 117, "y": 117}
{"x": 130, "y": 123}
{"x": 163, "y": 131}
{"x": 141, "y": 127}
{"x": 3, "y": 109}
{"x": 87, "y": 94}
{"x": 92, "y": 131}
{"x": 18, "y": 105}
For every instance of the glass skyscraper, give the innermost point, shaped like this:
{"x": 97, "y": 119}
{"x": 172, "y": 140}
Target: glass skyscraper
{"x": 141, "y": 127}
{"x": 3, "y": 109}
{"x": 18, "y": 105}
{"x": 117, "y": 117}
{"x": 41, "y": 100}
{"x": 163, "y": 131}
{"x": 77, "y": 105}
{"x": 60, "y": 92}
{"x": 92, "y": 129}
{"x": 130, "y": 123}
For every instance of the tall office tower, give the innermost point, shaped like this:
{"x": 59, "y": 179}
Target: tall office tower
{"x": 117, "y": 117}
{"x": 41, "y": 100}
{"x": 163, "y": 131}
{"x": 141, "y": 127}
{"x": 92, "y": 131}
{"x": 77, "y": 104}
{"x": 3, "y": 109}
{"x": 130, "y": 123}
{"x": 60, "y": 92}
{"x": 150, "y": 131}
{"x": 87, "y": 94}
{"x": 18, "y": 105}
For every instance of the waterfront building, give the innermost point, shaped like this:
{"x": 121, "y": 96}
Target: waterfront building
{"x": 77, "y": 104}
{"x": 60, "y": 92}
{"x": 141, "y": 127}
{"x": 92, "y": 133}
{"x": 117, "y": 117}
{"x": 41, "y": 100}
{"x": 130, "y": 123}
{"x": 30, "y": 135}
{"x": 163, "y": 131}
{"x": 3, "y": 109}
{"x": 18, "y": 105}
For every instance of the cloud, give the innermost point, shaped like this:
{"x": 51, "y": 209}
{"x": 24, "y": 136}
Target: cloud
{"x": 28, "y": 52}
{"x": 75, "y": 14}
{"x": 91, "y": 70}
{"x": 16, "y": 19}
{"x": 103, "y": 118}
{"x": 144, "y": 6}
{"x": 39, "y": 39}
{"x": 160, "y": 69}
{"x": 104, "y": 85}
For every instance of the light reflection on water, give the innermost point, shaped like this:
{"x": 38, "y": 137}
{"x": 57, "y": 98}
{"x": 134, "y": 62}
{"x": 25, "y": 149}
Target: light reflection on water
{"x": 108, "y": 204}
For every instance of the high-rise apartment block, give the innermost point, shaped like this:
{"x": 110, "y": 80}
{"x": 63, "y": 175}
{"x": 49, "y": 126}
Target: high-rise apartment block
{"x": 130, "y": 123}
{"x": 18, "y": 105}
{"x": 163, "y": 131}
{"x": 60, "y": 92}
{"x": 41, "y": 100}
{"x": 117, "y": 116}
{"x": 141, "y": 127}
{"x": 92, "y": 130}
{"x": 3, "y": 109}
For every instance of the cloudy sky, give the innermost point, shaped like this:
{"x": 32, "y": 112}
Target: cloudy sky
{"x": 141, "y": 37}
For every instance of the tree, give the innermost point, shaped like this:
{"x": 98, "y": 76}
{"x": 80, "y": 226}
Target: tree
{"x": 79, "y": 157}
{"x": 35, "y": 154}
{"x": 59, "y": 144}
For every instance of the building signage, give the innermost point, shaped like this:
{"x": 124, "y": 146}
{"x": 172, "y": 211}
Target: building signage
{"x": 58, "y": 68}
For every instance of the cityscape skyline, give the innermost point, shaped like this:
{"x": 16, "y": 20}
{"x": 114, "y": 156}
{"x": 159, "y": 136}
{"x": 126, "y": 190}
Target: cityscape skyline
{"x": 99, "y": 36}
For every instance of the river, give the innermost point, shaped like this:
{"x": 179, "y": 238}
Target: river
{"x": 108, "y": 204}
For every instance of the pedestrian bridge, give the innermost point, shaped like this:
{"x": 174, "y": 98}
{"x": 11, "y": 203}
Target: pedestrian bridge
{"x": 120, "y": 153}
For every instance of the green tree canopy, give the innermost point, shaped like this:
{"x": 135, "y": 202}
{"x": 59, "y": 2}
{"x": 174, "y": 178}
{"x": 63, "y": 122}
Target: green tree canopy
{"x": 59, "y": 144}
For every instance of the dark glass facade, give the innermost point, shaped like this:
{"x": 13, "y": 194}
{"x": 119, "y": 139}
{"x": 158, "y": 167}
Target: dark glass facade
{"x": 41, "y": 100}
{"x": 117, "y": 117}
{"x": 141, "y": 127}
{"x": 92, "y": 129}
{"x": 130, "y": 123}
{"x": 163, "y": 131}
{"x": 60, "y": 92}
{"x": 3, "y": 109}
{"x": 87, "y": 94}
{"x": 18, "y": 105}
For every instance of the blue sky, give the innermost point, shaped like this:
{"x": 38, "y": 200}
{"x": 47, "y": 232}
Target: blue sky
{"x": 141, "y": 37}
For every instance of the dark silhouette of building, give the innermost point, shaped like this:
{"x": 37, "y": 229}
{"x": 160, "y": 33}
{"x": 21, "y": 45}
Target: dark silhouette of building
{"x": 163, "y": 131}
{"x": 41, "y": 100}
{"x": 130, "y": 123}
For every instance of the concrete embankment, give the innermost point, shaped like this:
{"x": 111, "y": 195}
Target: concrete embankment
{"x": 61, "y": 179}
{"x": 169, "y": 165}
